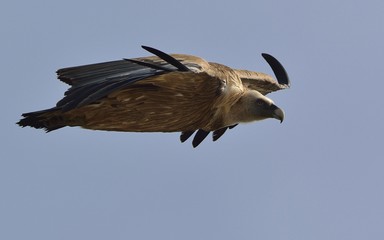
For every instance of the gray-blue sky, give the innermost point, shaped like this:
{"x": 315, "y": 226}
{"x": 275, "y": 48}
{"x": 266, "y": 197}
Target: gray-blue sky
{"x": 319, "y": 175}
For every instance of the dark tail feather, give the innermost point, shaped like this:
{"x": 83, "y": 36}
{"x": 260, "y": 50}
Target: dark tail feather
{"x": 42, "y": 119}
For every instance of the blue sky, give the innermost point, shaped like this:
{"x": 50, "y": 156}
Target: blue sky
{"x": 319, "y": 175}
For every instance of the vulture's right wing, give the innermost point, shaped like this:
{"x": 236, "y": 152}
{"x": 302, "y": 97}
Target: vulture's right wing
{"x": 264, "y": 83}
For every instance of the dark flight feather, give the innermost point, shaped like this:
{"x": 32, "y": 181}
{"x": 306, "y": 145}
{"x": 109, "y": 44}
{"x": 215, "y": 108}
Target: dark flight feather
{"x": 185, "y": 135}
{"x": 218, "y": 133}
{"x": 277, "y": 68}
{"x": 169, "y": 59}
{"x": 199, "y": 137}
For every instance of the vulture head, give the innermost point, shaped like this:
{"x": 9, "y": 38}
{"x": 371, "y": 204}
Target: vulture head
{"x": 259, "y": 107}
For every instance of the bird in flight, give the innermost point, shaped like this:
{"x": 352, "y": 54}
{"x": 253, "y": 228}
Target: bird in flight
{"x": 163, "y": 93}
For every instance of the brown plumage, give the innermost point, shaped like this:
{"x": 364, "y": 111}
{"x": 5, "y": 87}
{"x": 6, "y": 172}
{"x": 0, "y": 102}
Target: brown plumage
{"x": 162, "y": 93}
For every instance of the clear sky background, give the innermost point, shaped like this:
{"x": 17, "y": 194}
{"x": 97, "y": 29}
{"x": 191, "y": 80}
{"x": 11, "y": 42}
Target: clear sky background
{"x": 319, "y": 175}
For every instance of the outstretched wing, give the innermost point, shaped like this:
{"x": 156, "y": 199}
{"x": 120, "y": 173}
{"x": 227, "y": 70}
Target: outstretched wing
{"x": 262, "y": 82}
{"x": 95, "y": 81}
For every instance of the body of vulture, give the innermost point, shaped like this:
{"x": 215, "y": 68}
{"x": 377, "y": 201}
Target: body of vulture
{"x": 162, "y": 93}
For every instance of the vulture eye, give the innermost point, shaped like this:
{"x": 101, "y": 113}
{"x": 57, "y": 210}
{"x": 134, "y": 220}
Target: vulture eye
{"x": 259, "y": 102}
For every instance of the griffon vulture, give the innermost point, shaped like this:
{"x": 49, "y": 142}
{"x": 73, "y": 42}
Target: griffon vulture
{"x": 162, "y": 93}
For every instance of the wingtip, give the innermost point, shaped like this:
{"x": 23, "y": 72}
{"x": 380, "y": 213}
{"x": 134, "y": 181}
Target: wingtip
{"x": 218, "y": 133}
{"x": 278, "y": 69}
{"x": 199, "y": 137}
{"x": 168, "y": 58}
{"x": 185, "y": 135}
{"x": 147, "y": 48}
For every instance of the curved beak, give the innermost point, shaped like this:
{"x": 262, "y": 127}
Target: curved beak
{"x": 277, "y": 113}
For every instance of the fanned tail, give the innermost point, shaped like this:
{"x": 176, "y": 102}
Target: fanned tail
{"x": 44, "y": 119}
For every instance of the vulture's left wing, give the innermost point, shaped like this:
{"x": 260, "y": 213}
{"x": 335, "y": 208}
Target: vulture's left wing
{"x": 95, "y": 81}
